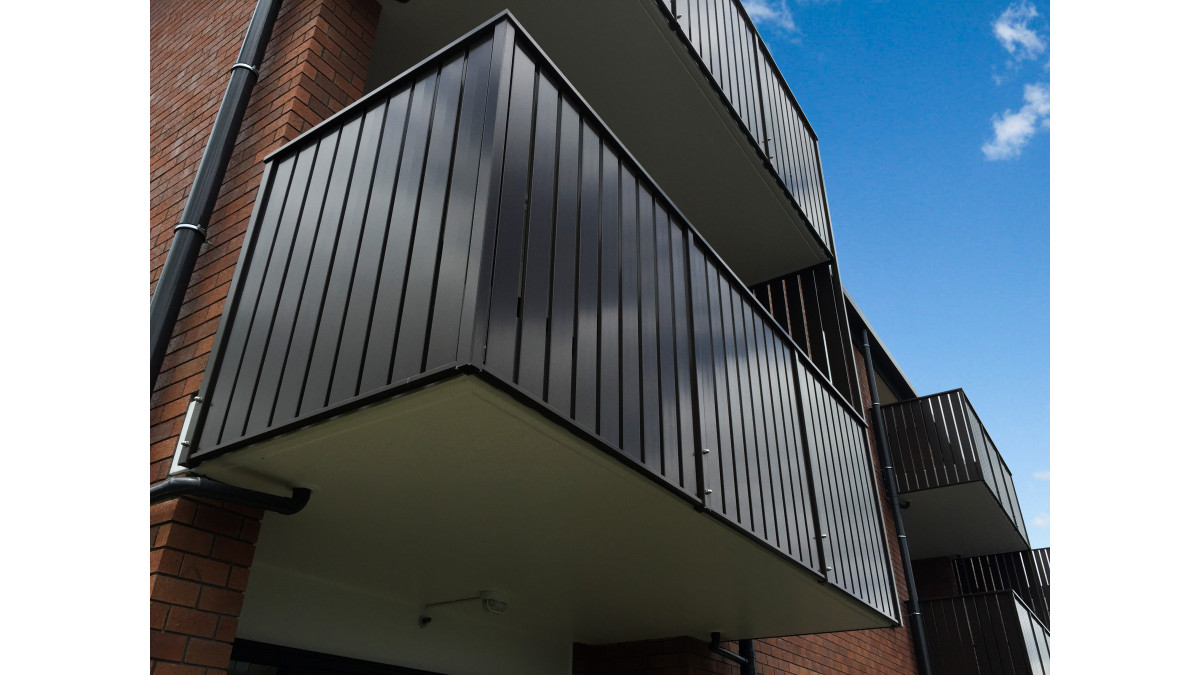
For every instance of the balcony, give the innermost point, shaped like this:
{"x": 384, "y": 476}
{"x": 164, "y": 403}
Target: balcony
{"x": 476, "y": 328}
{"x": 1026, "y": 573}
{"x": 985, "y": 633}
{"x": 960, "y": 491}
{"x": 684, "y": 95}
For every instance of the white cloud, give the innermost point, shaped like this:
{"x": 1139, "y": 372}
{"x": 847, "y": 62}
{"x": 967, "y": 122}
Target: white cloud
{"x": 776, "y": 14}
{"x": 1013, "y": 31}
{"x": 1012, "y": 130}
{"x": 1042, "y": 475}
{"x": 1042, "y": 520}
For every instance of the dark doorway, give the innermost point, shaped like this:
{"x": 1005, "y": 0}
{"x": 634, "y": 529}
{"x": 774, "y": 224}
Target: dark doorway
{"x": 260, "y": 658}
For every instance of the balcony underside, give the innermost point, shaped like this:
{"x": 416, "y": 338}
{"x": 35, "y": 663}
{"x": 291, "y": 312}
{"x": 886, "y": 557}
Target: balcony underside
{"x": 474, "y": 217}
{"x": 636, "y": 72}
{"x": 958, "y": 520}
{"x": 458, "y": 487}
{"x": 963, "y": 499}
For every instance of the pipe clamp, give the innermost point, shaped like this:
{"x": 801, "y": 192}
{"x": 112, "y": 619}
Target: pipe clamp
{"x": 253, "y": 69}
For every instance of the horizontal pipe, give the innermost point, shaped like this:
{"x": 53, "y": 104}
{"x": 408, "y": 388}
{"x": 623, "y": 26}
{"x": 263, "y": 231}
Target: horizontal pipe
{"x": 745, "y": 660}
{"x": 199, "y": 486}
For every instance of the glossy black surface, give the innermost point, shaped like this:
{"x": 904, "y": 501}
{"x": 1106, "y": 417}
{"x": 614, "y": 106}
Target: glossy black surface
{"x": 724, "y": 40}
{"x": 1027, "y": 573}
{"x": 985, "y": 634}
{"x": 501, "y": 228}
{"x": 810, "y": 307}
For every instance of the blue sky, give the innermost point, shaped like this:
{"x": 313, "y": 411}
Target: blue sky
{"x": 933, "y": 119}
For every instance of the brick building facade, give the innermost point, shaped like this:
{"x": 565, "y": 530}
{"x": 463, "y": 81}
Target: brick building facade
{"x": 323, "y": 56}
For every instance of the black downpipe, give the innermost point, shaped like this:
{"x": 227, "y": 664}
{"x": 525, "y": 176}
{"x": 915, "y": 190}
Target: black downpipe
{"x": 190, "y": 233}
{"x": 885, "y": 454}
{"x": 745, "y": 659}
{"x": 198, "y": 486}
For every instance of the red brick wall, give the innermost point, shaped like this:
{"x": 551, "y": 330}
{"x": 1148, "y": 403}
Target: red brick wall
{"x": 315, "y": 65}
{"x": 882, "y": 651}
{"x": 200, "y": 555}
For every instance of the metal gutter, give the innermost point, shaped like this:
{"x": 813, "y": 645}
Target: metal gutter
{"x": 199, "y": 486}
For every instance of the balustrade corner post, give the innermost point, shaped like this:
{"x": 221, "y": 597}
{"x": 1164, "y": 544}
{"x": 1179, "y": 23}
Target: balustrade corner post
{"x": 476, "y": 300}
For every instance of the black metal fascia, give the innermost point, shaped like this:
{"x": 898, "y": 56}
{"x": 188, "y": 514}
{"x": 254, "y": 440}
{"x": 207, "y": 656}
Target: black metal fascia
{"x": 191, "y": 231}
{"x": 885, "y": 455}
{"x": 199, "y": 486}
{"x": 745, "y": 659}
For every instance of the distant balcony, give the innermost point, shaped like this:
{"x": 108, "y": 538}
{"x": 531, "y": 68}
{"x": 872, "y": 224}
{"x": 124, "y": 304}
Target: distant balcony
{"x": 960, "y": 492}
{"x": 722, "y": 37}
{"x": 471, "y": 322}
{"x": 1026, "y": 573}
{"x": 985, "y": 633}
{"x": 690, "y": 89}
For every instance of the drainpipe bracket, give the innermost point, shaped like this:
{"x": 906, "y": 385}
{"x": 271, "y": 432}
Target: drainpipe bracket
{"x": 253, "y": 70}
{"x": 186, "y": 434}
{"x": 202, "y": 229}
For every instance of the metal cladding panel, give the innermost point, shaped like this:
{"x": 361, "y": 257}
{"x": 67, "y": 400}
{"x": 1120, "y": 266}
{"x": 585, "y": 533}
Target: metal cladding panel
{"x": 474, "y": 213}
{"x": 725, "y": 42}
{"x": 791, "y": 147}
{"x": 987, "y": 634}
{"x": 1026, "y": 573}
{"x": 582, "y": 308}
{"x": 773, "y": 452}
{"x": 938, "y": 441}
{"x": 813, "y": 313}
{"x": 847, "y": 501}
{"x": 331, "y": 301}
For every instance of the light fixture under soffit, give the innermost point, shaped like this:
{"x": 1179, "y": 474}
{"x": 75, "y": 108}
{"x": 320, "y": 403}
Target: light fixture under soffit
{"x": 491, "y": 602}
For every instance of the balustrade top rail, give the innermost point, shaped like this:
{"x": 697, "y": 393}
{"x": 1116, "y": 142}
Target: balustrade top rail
{"x": 986, "y": 634}
{"x": 474, "y": 215}
{"x": 938, "y": 441}
{"x": 723, "y": 39}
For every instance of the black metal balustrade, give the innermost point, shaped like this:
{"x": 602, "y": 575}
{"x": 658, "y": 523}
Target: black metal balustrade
{"x": 474, "y": 215}
{"x": 1026, "y": 573}
{"x": 723, "y": 39}
{"x": 938, "y": 442}
{"x": 809, "y": 307}
{"x": 985, "y": 634}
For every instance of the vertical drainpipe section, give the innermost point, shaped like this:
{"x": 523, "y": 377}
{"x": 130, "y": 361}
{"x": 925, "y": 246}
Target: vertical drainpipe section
{"x": 914, "y": 603}
{"x": 193, "y": 223}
